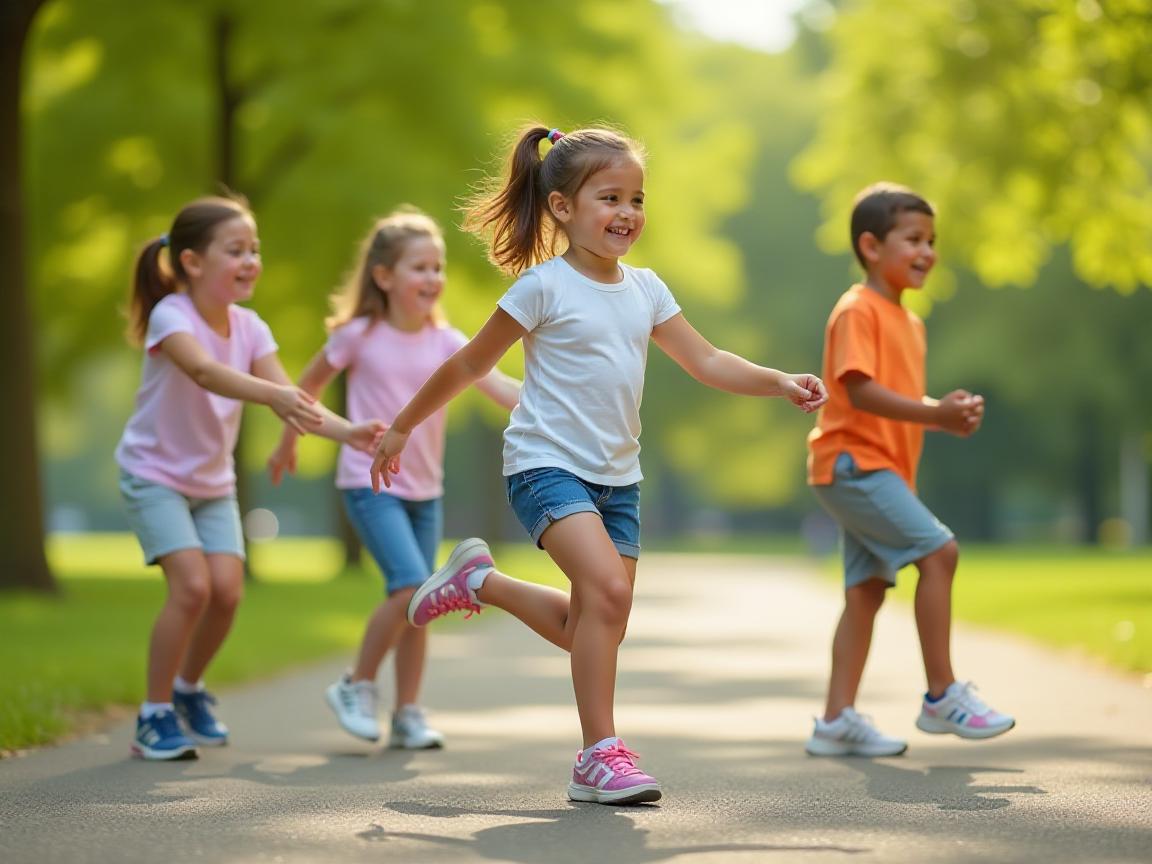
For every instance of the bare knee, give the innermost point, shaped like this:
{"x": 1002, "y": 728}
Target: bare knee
{"x": 225, "y": 598}
{"x": 941, "y": 563}
{"x": 609, "y": 599}
{"x": 191, "y": 596}
{"x": 866, "y": 598}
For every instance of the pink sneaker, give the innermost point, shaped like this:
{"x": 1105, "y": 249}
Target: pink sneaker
{"x": 609, "y": 776}
{"x": 447, "y": 589}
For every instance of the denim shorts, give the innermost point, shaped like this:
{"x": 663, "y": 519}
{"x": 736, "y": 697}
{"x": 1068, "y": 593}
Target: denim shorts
{"x": 401, "y": 536}
{"x": 166, "y": 521}
{"x": 541, "y": 496}
{"x": 884, "y": 526}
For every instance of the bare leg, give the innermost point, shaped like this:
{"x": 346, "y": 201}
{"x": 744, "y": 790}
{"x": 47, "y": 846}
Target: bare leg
{"x": 546, "y": 610}
{"x": 226, "y": 575}
{"x": 934, "y": 615}
{"x": 851, "y": 644}
{"x": 411, "y": 650}
{"x": 186, "y": 572}
{"x": 384, "y": 628}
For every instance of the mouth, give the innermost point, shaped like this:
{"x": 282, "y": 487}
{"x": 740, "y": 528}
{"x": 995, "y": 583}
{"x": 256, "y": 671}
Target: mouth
{"x": 619, "y": 230}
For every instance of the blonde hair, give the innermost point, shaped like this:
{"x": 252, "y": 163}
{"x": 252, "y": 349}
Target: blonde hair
{"x": 510, "y": 213}
{"x": 359, "y": 295}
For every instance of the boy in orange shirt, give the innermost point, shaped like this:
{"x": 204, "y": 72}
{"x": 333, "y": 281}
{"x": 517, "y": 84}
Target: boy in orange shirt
{"x": 862, "y": 463}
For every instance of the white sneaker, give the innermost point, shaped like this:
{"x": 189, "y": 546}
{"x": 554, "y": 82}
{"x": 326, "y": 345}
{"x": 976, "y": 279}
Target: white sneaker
{"x": 354, "y": 704}
{"x": 410, "y": 730}
{"x": 961, "y": 712}
{"x": 852, "y": 734}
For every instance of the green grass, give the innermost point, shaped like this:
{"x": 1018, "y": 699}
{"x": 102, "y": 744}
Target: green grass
{"x": 1094, "y": 602}
{"x": 85, "y": 650}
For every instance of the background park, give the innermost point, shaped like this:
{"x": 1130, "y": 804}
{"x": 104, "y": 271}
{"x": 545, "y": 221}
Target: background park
{"x": 1027, "y": 124}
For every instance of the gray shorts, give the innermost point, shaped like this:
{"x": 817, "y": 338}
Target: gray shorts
{"x": 884, "y": 526}
{"x": 166, "y": 521}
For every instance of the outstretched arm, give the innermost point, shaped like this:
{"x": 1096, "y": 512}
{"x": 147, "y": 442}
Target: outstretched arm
{"x": 502, "y": 389}
{"x": 959, "y": 412}
{"x": 291, "y": 404}
{"x": 467, "y": 366}
{"x": 727, "y": 371}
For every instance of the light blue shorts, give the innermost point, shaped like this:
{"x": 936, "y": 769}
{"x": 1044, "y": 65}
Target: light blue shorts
{"x": 401, "y": 536}
{"x": 883, "y": 525}
{"x": 166, "y": 521}
{"x": 541, "y": 496}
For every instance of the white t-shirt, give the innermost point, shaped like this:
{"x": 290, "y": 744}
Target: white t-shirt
{"x": 584, "y": 359}
{"x": 181, "y": 435}
{"x": 386, "y": 367}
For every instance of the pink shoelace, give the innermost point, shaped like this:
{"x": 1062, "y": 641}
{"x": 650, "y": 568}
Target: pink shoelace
{"x": 452, "y": 603}
{"x": 620, "y": 759}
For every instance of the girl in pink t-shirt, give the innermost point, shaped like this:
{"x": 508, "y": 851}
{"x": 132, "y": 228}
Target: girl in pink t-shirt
{"x": 204, "y": 357}
{"x": 388, "y": 332}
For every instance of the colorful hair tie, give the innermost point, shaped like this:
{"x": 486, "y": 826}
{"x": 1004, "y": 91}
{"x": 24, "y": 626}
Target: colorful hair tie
{"x": 555, "y": 135}
{"x": 163, "y": 239}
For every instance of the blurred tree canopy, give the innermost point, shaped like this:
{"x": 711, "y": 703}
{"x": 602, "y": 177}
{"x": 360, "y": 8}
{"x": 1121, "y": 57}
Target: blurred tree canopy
{"x": 1027, "y": 122}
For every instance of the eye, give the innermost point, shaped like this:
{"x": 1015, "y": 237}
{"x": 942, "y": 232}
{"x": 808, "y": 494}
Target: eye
{"x": 637, "y": 202}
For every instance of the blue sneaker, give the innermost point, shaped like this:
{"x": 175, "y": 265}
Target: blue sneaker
{"x": 198, "y": 720}
{"x": 160, "y": 737}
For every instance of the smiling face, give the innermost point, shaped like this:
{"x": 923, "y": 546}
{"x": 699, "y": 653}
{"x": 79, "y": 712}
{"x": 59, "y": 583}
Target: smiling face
{"x": 604, "y": 218}
{"x": 905, "y": 256}
{"x": 226, "y": 270}
{"x": 414, "y": 283}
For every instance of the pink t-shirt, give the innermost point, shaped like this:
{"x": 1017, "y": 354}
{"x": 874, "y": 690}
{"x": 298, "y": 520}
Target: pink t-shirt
{"x": 180, "y": 434}
{"x": 386, "y": 367}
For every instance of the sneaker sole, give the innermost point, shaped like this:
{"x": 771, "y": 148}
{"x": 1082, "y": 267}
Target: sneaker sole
{"x": 643, "y": 794}
{"x": 464, "y": 550}
{"x": 334, "y": 704}
{"x": 401, "y": 744}
{"x": 820, "y": 747}
{"x": 942, "y": 727}
{"x": 205, "y": 741}
{"x": 150, "y": 755}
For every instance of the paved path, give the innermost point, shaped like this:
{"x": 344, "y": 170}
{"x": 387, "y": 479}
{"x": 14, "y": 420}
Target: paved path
{"x": 723, "y": 667}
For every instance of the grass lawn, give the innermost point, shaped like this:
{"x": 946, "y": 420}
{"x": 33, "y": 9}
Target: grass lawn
{"x": 85, "y": 650}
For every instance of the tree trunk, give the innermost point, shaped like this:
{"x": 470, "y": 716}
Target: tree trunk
{"x": 22, "y": 560}
{"x": 1134, "y": 487}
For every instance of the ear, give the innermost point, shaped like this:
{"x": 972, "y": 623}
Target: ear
{"x": 382, "y": 276}
{"x": 190, "y": 262}
{"x": 869, "y": 246}
{"x": 559, "y": 206}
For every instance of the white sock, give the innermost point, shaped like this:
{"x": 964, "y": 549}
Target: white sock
{"x": 148, "y": 710}
{"x": 187, "y": 687}
{"x": 476, "y": 580}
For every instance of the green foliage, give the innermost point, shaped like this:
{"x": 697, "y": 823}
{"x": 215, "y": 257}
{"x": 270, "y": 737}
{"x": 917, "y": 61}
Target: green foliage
{"x": 1027, "y": 123}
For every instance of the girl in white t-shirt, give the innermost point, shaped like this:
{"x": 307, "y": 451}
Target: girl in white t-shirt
{"x": 204, "y": 357}
{"x": 388, "y": 332}
{"x": 571, "y": 451}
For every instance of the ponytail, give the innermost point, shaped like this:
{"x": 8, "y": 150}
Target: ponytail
{"x": 152, "y": 283}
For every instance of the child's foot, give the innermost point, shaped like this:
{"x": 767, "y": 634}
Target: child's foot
{"x": 354, "y": 704}
{"x": 410, "y": 730}
{"x": 196, "y": 712}
{"x": 852, "y": 734}
{"x": 609, "y": 775}
{"x": 160, "y": 738}
{"x": 447, "y": 589}
{"x": 961, "y": 712}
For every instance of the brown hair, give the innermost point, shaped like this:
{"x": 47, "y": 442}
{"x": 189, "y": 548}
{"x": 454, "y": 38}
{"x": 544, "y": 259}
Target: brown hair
{"x": 511, "y": 213}
{"x": 155, "y": 278}
{"x": 359, "y": 294}
{"x": 876, "y": 209}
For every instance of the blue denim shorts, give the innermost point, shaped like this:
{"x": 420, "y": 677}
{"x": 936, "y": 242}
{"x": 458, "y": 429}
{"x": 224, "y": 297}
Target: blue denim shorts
{"x": 541, "y": 496}
{"x": 883, "y": 524}
{"x": 166, "y": 521}
{"x": 401, "y": 536}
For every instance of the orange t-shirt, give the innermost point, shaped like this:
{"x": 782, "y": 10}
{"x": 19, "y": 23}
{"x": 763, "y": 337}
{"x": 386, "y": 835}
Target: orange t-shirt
{"x": 870, "y": 334}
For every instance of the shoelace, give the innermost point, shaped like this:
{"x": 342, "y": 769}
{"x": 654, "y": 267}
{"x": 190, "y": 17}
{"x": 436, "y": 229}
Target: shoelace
{"x": 452, "y": 601}
{"x": 363, "y": 698}
{"x": 861, "y": 727}
{"x": 620, "y": 759}
{"x": 167, "y": 725}
{"x": 970, "y": 701}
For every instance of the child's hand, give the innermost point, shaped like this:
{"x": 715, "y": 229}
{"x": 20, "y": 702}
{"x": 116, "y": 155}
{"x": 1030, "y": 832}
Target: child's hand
{"x": 806, "y": 392}
{"x": 960, "y": 413}
{"x": 283, "y": 459}
{"x": 387, "y": 459}
{"x": 365, "y": 436}
{"x": 297, "y": 408}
